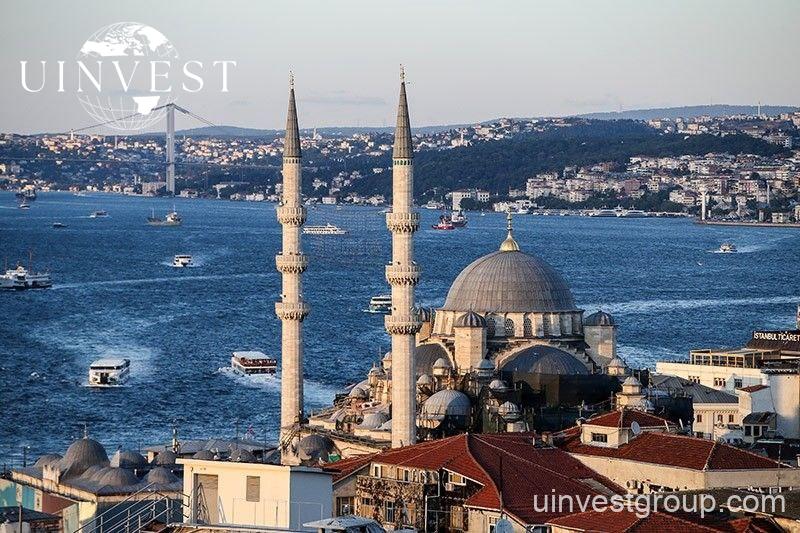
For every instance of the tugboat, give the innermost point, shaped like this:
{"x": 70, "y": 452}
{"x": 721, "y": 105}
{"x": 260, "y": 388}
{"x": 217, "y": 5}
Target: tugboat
{"x": 172, "y": 219}
{"x": 248, "y": 363}
{"x": 444, "y": 223}
{"x": 727, "y": 248}
{"x": 458, "y": 219}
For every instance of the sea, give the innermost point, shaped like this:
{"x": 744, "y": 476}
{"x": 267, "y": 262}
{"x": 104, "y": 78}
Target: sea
{"x": 116, "y": 295}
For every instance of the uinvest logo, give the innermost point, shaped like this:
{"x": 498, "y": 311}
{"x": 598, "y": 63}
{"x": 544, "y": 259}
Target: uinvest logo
{"x": 125, "y": 74}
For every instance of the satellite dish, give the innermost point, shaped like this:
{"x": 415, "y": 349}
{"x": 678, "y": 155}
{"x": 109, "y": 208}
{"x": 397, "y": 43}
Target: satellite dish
{"x": 635, "y": 428}
{"x": 504, "y": 525}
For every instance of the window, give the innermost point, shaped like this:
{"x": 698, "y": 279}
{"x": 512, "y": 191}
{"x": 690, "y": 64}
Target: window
{"x": 492, "y": 523}
{"x": 389, "y": 512}
{"x": 756, "y": 431}
{"x": 377, "y": 471}
{"x": 365, "y": 501}
{"x": 527, "y": 327}
{"x": 456, "y": 517}
{"x": 737, "y": 383}
{"x": 700, "y": 435}
{"x": 730, "y": 419}
{"x": 747, "y": 431}
{"x": 599, "y": 437}
{"x": 719, "y": 419}
{"x": 694, "y": 379}
{"x": 457, "y": 479}
{"x": 699, "y": 418}
{"x": 490, "y": 332}
{"x": 344, "y": 505}
{"x": 509, "y": 327}
{"x": 404, "y": 474}
{"x": 719, "y": 382}
{"x": 253, "y": 489}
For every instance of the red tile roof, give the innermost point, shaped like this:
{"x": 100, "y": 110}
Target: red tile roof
{"x": 624, "y": 418}
{"x": 674, "y": 450}
{"x": 610, "y": 521}
{"x": 345, "y": 467}
{"x": 754, "y": 388}
{"x": 510, "y": 468}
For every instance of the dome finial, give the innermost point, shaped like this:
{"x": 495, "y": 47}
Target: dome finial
{"x": 509, "y": 245}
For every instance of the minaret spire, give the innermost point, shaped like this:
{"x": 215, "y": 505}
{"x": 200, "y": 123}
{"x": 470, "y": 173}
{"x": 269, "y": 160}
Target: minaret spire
{"x": 403, "y": 275}
{"x": 509, "y": 245}
{"x": 291, "y": 263}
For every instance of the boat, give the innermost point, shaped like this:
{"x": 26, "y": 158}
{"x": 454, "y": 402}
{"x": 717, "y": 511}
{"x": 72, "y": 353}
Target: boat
{"x": 327, "y": 229}
{"x": 182, "y": 261}
{"x": 632, "y": 213}
{"x": 523, "y": 211}
{"x": 433, "y": 205}
{"x": 727, "y": 248}
{"x": 21, "y": 278}
{"x": 172, "y": 219}
{"x": 24, "y": 205}
{"x": 444, "y": 223}
{"x": 603, "y": 213}
{"x": 252, "y": 362}
{"x": 458, "y": 219}
{"x": 99, "y": 214}
{"x": 26, "y": 194}
{"x": 380, "y": 304}
{"x": 59, "y": 225}
{"x": 110, "y": 372}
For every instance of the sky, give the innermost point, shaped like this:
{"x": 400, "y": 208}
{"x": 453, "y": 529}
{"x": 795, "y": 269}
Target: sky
{"x": 466, "y": 61}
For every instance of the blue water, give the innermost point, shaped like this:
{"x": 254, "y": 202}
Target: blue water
{"x": 116, "y": 295}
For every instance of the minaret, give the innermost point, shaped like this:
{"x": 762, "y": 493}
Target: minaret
{"x": 291, "y": 263}
{"x": 403, "y": 274}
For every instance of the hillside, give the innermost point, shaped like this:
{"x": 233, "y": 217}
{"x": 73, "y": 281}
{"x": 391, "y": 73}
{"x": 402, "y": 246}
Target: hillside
{"x": 718, "y": 110}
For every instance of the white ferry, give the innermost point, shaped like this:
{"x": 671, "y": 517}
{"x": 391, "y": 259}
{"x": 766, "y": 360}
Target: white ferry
{"x": 247, "y": 363}
{"x": 109, "y": 372}
{"x": 20, "y": 279}
{"x": 182, "y": 261}
{"x": 380, "y": 304}
{"x": 632, "y": 213}
{"x": 727, "y": 248}
{"x": 99, "y": 214}
{"x": 603, "y": 213}
{"x": 327, "y": 229}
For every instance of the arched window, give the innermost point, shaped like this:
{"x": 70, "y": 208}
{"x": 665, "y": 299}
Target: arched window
{"x": 490, "y": 331}
{"x": 509, "y": 327}
{"x": 527, "y": 327}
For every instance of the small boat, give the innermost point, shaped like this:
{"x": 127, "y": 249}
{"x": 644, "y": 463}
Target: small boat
{"x": 327, "y": 229}
{"x": 24, "y": 205}
{"x": 380, "y": 304}
{"x": 99, "y": 214}
{"x": 247, "y": 363}
{"x": 444, "y": 223}
{"x": 727, "y": 248}
{"x": 182, "y": 261}
{"x": 59, "y": 225}
{"x": 523, "y": 211}
{"x": 172, "y": 219}
{"x": 458, "y": 219}
{"x": 110, "y": 372}
{"x": 603, "y": 213}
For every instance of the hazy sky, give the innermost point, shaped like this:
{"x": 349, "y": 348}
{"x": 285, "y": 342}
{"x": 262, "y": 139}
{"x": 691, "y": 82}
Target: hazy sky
{"x": 466, "y": 61}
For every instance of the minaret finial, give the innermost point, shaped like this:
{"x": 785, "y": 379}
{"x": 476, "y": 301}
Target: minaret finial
{"x": 291, "y": 79}
{"x": 402, "y": 74}
{"x": 509, "y": 245}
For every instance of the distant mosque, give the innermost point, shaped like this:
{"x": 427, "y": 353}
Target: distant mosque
{"x": 508, "y": 351}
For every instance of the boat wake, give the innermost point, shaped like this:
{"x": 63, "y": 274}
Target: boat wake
{"x": 143, "y": 281}
{"x": 643, "y": 307}
{"x": 313, "y": 391}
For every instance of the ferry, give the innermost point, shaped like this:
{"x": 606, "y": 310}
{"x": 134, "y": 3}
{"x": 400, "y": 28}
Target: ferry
{"x": 380, "y": 304}
{"x": 603, "y": 213}
{"x": 172, "y": 219}
{"x": 727, "y": 248}
{"x": 247, "y": 363}
{"x": 109, "y": 372}
{"x": 182, "y": 261}
{"x": 20, "y": 279}
{"x": 632, "y": 213}
{"x": 59, "y": 225}
{"x": 24, "y": 205}
{"x": 444, "y": 224}
{"x": 99, "y": 214}
{"x": 327, "y": 229}
{"x": 458, "y": 219}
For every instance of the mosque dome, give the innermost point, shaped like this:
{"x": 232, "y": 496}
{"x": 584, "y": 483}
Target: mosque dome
{"x": 240, "y": 455}
{"x": 543, "y": 359}
{"x": 470, "y": 319}
{"x": 165, "y": 457}
{"x": 204, "y": 455}
{"x": 160, "y": 476}
{"x": 442, "y": 366}
{"x": 376, "y": 371}
{"x": 92, "y": 471}
{"x": 446, "y": 403}
{"x": 373, "y": 420}
{"x": 313, "y": 448}
{"x": 47, "y": 459}
{"x": 616, "y": 362}
{"x": 498, "y": 385}
{"x": 115, "y": 477}
{"x": 128, "y": 459}
{"x": 509, "y": 282}
{"x": 358, "y": 392}
{"x": 485, "y": 369}
{"x": 600, "y": 318}
{"x": 509, "y": 412}
{"x": 82, "y": 454}
{"x": 631, "y": 381}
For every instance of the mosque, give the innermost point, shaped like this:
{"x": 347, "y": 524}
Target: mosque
{"x": 508, "y": 342}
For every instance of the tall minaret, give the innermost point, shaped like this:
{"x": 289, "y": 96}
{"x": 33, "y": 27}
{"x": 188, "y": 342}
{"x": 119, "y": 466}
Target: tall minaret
{"x": 403, "y": 274}
{"x": 291, "y": 263}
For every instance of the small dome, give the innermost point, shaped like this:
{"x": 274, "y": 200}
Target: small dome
{"x": 616, "y": 362}
{"x": 632, "y": 381}
{"x": 424, "y": 314}
{"x": 240, "y": 455}
{"x": 314, "y": 448}
{"x": 548, "y": 360}
{"x": 600, "y": 318}
{"x": 442, "y": 363}
{"x": 128, "y": 459}
{"x": 425, "y": 380}
{"x": 205, "y": 455}
{"x": 165, "y": 458}
{"x": 376, "y": 371}
{"x": 498, "y": 385}
{"x": 387, "y": 357}
{"x": 82, "y": 454}
{"x": 160, "y": 476}
{"x": 373, "y": 420}
{"x": 446, "y": 403}
{"x": 358, "y": 392}
{"x": 116, "y": 477}
{"x": 47, "y": 459}
{"x": 509, "y": 411}
{"x": 470, "y": 320}
{"x": 485, "y": 364}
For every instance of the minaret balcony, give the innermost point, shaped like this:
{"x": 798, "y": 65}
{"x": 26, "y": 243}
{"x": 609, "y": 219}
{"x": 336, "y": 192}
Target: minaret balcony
{"x": 402, "y": 325}
{"x": 402, "y": 222}
{"x": 291, "y": 263}
{"x": 291, "y": 216}
{"x": 292, "y": 310}
{"x": 402, "y": 274}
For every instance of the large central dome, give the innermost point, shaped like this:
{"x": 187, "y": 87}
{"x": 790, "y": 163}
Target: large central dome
{"x": 509, "y": 281}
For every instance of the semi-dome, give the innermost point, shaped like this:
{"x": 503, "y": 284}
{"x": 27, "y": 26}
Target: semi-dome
{"x": 165, "y": 458}
{"x": 425, "y": 380}
{"x": 47, "y": 459}
{"x": 115, "y": 477}
{"x": 600, "y": 318}
{"x": 470, "y": 319}
{"x": 313, "y": 448}
{"x": 160, "y": 476}
{"x": 509, "y": 282}
{"x": 128, "y": 459}
{"x": 543, "y": 359}
{"x": 446, "y": 403}
{"x": 427, "y": 355}
{"x": 373, "y": 420}
{"x": 82, "y": 454}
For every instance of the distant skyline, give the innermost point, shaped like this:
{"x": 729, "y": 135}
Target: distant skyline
{"x": 465, "y": 61}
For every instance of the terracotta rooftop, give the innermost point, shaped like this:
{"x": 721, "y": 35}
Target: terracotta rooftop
{"x": 344, "y": 467}
{"x": 510, "y": 468}
{"x": 609, "y": 521}
{"x": 754, "y": 388}
{"x": 624, "y": 418}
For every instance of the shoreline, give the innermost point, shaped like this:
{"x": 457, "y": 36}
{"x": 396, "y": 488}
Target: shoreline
{"x": 747, "y": 224}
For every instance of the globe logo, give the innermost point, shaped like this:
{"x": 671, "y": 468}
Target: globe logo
{"x": 125, "y": 75}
